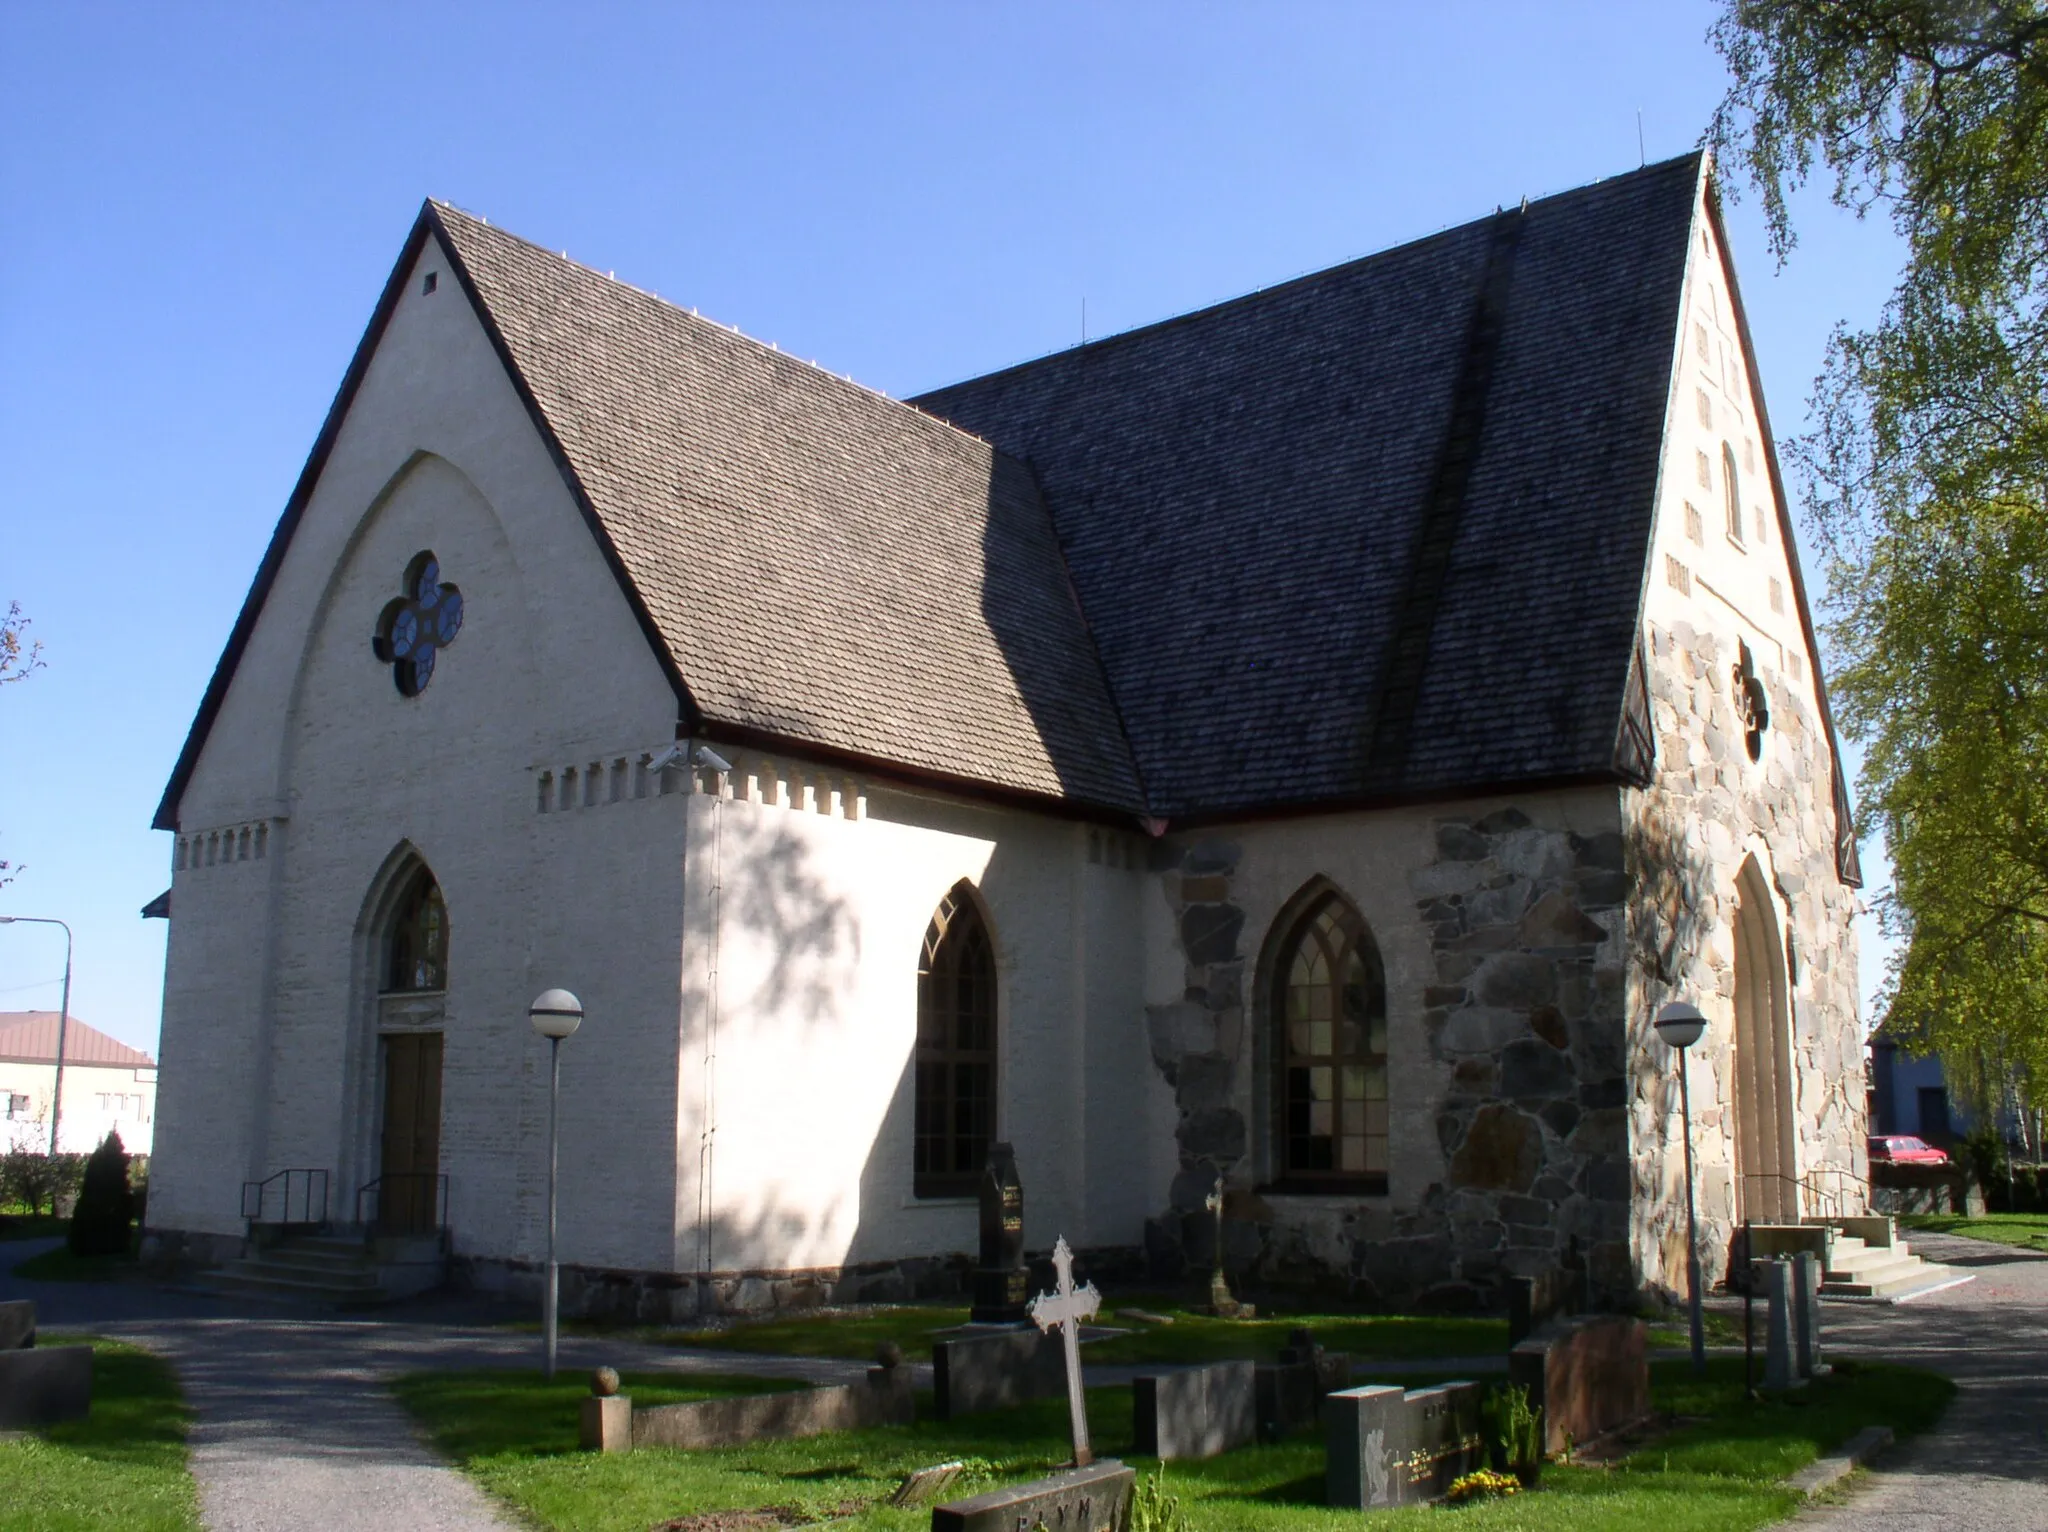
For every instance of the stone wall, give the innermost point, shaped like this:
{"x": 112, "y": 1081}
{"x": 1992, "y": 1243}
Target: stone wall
{"x": 1711, "y": 810}
{"x": 1501, "y": 930}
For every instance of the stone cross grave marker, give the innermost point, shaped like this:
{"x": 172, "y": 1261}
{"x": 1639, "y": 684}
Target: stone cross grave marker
{"x": 1066, "y": 1307}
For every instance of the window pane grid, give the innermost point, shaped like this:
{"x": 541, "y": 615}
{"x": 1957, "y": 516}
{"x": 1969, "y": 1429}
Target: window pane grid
{"x": 956, "y": 1064}
{"x": 1333, "y": 1077}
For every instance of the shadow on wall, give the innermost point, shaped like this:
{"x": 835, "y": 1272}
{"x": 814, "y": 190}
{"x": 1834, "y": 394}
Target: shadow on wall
{"x": 1668, "y": 923}
{"x": 770, "y": 889}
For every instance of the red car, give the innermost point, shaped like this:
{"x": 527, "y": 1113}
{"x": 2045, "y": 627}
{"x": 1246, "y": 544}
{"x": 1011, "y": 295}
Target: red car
{"x": 1901, "y": 1149}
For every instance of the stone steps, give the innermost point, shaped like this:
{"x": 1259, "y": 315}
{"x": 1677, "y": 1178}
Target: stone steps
{"x": 1885, "y": 1274}
{"x": 333, "y": 1270}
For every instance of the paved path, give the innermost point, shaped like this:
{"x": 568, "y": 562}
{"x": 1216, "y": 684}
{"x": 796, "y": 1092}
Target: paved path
{"x": 293, "y": 1426}
{"x": 1984, "y": 1468}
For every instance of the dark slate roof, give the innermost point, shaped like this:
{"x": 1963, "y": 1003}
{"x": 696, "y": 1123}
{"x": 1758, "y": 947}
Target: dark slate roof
{"x": 1240, "y": 493}
{"x": 825, "y": 565}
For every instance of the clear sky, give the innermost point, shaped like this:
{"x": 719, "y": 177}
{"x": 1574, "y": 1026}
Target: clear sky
{"x": 198, "y": 205}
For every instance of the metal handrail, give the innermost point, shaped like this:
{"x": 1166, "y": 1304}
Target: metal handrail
{"x": 410, "y": 1180}
{"x": 304, "y": 1185}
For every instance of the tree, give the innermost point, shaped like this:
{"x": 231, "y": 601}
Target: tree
{"x": 99, "y": 1223}
{"x": 1926, "y": 475}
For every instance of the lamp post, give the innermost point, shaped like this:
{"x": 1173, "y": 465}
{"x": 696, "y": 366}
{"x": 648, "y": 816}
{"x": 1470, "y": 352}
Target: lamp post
{"x": 63, "y": 1016}
{"x": 555, "y": 1014}
{"x": 1681, "y": 1025}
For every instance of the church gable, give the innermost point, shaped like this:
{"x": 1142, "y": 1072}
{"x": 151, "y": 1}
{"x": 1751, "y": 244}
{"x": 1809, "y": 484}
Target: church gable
{"x": 398, "y": 580}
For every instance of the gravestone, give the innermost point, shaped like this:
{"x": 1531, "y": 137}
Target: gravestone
{"x": 1194, "y": 1412}
{"x": 1774, "y": 1279}
{"x": 1000, "y": 1283}
{"x": 975, "y": 1373}
{"x": 1284, "y": 1397}
{"x": 1063, "y": 1309}
{"x": 1534, "y": 1302}
{"x": 1091, "y": 1499}
{"x": 1332, "y": 1368}
{"x": 1806, "y": 1278}
{"x": 40, "y": 1385}
{"x": 1588, "y": 1376}
{"x": 1390, "y": 1447}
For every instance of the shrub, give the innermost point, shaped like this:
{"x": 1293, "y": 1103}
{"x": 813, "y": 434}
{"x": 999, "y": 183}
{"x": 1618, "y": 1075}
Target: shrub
{"x": 99, "y": 1224}
{"x": 1517, "y": 1429}
{"x": 35, "y": 1183}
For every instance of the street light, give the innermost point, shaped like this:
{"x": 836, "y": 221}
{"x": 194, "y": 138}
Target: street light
{"x": 63, "y": 1016}
{"x": 1681, "y": 1025}
{"x": 555, "y": 1014}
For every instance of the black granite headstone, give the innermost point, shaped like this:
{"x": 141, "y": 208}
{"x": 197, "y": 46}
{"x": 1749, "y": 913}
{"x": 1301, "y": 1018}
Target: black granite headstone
{"x": 1000, "y": 1282}
{"x": 1388, "y": 1448}
{"x": 993, "y": 1371}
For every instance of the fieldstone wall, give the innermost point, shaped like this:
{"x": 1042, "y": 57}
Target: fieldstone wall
{"x": 1521, "y": 1014}
{"x": 1709, "y": 810}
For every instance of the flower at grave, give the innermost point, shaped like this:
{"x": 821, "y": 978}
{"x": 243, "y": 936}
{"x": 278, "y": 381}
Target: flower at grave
{"x": 1483, "y": 1484}
{"x": 417, "y": 624}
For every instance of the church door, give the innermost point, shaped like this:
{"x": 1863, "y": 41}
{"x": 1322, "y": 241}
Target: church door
{"x": 410, "y": 1180}
{"x": 1763, "y": 1064}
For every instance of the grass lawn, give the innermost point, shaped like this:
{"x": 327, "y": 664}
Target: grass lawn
{"x": 123, "y": 1467}
{"x": 516, "y": 1436}
{"x": 2029, "y": 1231}
{"x": 31, "y": 1226}
{"x": 1190, "y": 1338}
{"x": 60, "y": 1265}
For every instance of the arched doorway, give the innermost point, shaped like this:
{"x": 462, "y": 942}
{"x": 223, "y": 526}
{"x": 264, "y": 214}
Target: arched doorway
{"x": 411, "y": 954}
{"x": 1764, "y": 1086}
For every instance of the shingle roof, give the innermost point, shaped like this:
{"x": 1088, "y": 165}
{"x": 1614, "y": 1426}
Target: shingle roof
{"x": 30, "y": 1037}
{"x": 1241, "y": 493}
{"x": 825, "y": 565}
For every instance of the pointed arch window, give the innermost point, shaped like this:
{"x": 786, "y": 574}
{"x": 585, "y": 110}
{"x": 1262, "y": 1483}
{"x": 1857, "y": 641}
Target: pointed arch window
{"x": 1731, "y": 491}
{"x": 956, "y": 1050}
{"x": 1329, "y": 1005}
{"x": 417, "y": 958}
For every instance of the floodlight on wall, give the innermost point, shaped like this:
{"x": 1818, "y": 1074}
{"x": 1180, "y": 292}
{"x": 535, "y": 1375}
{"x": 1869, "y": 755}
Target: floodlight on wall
{"x": 669, "y": 755}
{"x": 710, "y": 760}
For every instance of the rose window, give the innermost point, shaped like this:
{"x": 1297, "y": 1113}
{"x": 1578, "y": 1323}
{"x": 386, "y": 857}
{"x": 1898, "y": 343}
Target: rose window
{"x": 418, "y": 624}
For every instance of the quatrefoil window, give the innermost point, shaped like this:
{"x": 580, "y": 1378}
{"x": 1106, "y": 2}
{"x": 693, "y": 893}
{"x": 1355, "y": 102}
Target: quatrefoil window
{"x": 1750, "y": 705}
{"x": 418, "y": 624}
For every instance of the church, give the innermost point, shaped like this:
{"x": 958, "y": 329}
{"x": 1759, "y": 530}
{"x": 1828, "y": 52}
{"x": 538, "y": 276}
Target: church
{"x": 1296, "y": 745}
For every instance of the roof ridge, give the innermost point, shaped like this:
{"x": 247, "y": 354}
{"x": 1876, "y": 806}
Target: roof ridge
{"x": 771, "y": 348}
{"x": 1350, "y": 263}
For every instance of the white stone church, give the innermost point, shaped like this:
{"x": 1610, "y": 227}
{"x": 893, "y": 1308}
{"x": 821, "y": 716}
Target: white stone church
{"x": 1300, "y": 742}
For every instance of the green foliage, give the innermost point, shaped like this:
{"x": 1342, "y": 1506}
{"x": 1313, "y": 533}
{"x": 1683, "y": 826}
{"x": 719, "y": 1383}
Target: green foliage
{"x": 1516, "y": 1426}
{"x": 1153, "y": 1509}
{"x": 1925, "y": 476}
{"x": 99, "y": 1224}
{"x": 36, "y": 1183}
{"x": 2027, "y": 1231}
{"x": 124, "y": 1466}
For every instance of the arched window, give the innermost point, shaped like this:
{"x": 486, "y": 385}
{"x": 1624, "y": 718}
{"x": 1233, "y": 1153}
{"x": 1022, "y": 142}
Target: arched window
{"x": 1731, "y": 491}
{"x": 1330, "y": 1007}
{"x": 419, "y": 938}
{"x": 956, "y": 1050}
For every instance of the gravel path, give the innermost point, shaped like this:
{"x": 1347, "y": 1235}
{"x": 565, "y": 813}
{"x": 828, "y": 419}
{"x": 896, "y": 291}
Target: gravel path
{"x": 1984, "y": 1468}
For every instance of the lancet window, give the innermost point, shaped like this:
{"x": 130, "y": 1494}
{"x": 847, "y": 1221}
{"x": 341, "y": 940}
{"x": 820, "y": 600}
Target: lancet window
{"x": 956, "y": 1049}
{"x": 1330, "y": 1009}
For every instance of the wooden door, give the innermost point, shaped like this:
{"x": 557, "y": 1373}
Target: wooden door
{"x": 407, "y": 1194}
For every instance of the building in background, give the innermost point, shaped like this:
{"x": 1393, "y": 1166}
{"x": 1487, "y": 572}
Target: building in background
{"x": 107, "y": 1085}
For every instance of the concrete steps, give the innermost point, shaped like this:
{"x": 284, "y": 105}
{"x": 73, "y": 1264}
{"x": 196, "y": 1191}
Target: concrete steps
{"x": 337, "y": 1269}
{"x": 1884, "y": 1273}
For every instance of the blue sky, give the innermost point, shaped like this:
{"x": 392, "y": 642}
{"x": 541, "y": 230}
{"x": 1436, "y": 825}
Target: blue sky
{"x": 199, "y": 205}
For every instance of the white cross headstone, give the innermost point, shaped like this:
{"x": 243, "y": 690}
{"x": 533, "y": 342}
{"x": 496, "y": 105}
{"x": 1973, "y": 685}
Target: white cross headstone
{"x": 1066, "y": 1307}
